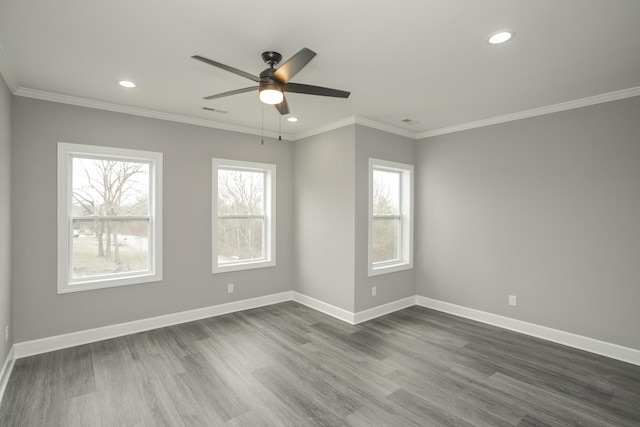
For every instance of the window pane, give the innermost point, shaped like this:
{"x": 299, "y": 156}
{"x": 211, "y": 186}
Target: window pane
{"x": 385, "y": 239}
{"x": 386, "y": 192}
{"x": 106, "y": 247}
{"x": 240, "y": 192}
{"x": 109, "y": 187}
{"x": 240, "y": 239}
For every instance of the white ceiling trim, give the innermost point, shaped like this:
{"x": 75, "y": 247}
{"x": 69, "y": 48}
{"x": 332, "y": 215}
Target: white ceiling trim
{"x": 5, "y": 70}
{"x": 89, "y": 103}
{"x": 570, "y": 105}
{"x": 326, "y": 128}
{"x": 385, "y": 127}
{"x": 100, "y": 105}
{"x": 358, "y": 121}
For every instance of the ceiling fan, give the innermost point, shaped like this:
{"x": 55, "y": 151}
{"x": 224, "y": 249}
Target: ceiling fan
{"x": 273, "y": 82}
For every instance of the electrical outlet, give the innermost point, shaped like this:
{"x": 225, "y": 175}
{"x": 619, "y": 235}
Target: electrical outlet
{"x": 230, "y": 288}
{"x": 512, "y": 300}
{"x": 6, "y": 333}
{"x": 374, "y": 291}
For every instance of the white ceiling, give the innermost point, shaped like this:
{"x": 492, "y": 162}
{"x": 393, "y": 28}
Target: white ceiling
{"x": 426, "y": 60}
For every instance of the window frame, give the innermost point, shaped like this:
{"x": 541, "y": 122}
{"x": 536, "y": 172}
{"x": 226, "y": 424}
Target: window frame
{"x": 269, "y": 214}
{"x": 66, "y": 153}
{"x": 404, "y": 261}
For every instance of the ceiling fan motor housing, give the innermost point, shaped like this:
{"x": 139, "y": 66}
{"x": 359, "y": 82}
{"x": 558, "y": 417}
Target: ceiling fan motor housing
{"x": 267, "y": 81}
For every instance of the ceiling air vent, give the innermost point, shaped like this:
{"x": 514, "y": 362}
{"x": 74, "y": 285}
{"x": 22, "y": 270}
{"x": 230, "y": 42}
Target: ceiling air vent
{"x": 215, "y": 110}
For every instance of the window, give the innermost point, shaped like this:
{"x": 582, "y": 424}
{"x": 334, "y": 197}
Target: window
{"x": 390, "y": 217}
{"x": 109, "y": 217}
{"x": 243, "y": 215}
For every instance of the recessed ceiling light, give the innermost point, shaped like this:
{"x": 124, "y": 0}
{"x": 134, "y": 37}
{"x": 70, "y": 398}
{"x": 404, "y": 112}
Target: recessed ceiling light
{"x": 500, "y": 37}
{"x": 292, "y": 119}
{"x": 126, "y": 83}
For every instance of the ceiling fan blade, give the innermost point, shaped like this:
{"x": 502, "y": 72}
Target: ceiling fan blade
{"x": 283, "y": 107}
{"x": 232, "y": 92}
{"x": 293, "y": 65}
{"x": 227, "y": 68}
{"x": 315, "y": 90}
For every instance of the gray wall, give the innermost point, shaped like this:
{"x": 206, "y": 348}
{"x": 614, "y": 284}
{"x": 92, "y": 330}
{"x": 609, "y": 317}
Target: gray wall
{"x": 331, "y": 213}
{"x": 324, "y": 217}
{"x": 188, "y": 283}
{"x": 5, "y": 220}
{"x": 393, "y": 286}
{"x": 547, "y": 209}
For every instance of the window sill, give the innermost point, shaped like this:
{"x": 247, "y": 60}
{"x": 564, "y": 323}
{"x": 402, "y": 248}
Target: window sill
{"x": 88, "y": 285}
{"x": 242, "y": 266}
{"x": 390, "y": 268}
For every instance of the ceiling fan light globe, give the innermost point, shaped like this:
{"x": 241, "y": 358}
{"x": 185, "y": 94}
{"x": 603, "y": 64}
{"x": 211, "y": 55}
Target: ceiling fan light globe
{"x": 271, "y": 96}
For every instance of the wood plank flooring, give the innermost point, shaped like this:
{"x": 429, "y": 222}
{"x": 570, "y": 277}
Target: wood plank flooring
{"x": 288, "y": 365}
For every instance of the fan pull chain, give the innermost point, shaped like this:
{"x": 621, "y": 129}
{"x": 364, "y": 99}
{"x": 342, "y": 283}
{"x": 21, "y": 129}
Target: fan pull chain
{"x": 279, "y": 127}
{"x": 262, "y": 136}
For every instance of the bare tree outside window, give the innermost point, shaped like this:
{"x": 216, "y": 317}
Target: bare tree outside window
{"x": 386, "y": 216}
{"x": 390, "y": 217}
{"x": 110, "y": 216}
{"x": 241, "y": 217}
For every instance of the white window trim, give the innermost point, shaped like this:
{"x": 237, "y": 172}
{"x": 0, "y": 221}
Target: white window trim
{"x": 65, "y": 232}
{"x": 405, "y": 262}
{"x": 269, "y": 259}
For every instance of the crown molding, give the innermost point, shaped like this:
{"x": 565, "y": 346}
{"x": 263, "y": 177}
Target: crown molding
{"x": 555, "y": 108}
{"x": 5, "y": 71}
{"x": 385, "y": 127}
{"x": 357, "y": 121}
{"x": 89, "y": 103}
{"x": 118, "y": 108}
{"x": 326, "y": 128}
{"x": 100, "y": 105}
{"x": 570, "y": 105}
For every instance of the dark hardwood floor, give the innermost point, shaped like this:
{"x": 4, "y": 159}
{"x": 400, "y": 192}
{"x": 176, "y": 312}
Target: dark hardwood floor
{"x": 287, "y": 364}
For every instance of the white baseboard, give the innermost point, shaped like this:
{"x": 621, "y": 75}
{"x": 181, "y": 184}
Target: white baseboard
{"x": 591, "y": 345}
{"x": 349, "y": 317}
{"x": 44, "y": 345}
{"x": 57, "y": 342}
{"x": 5, "y": 373}
{"x": 381, "y": 310}
{"x": 323, "y": 307}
